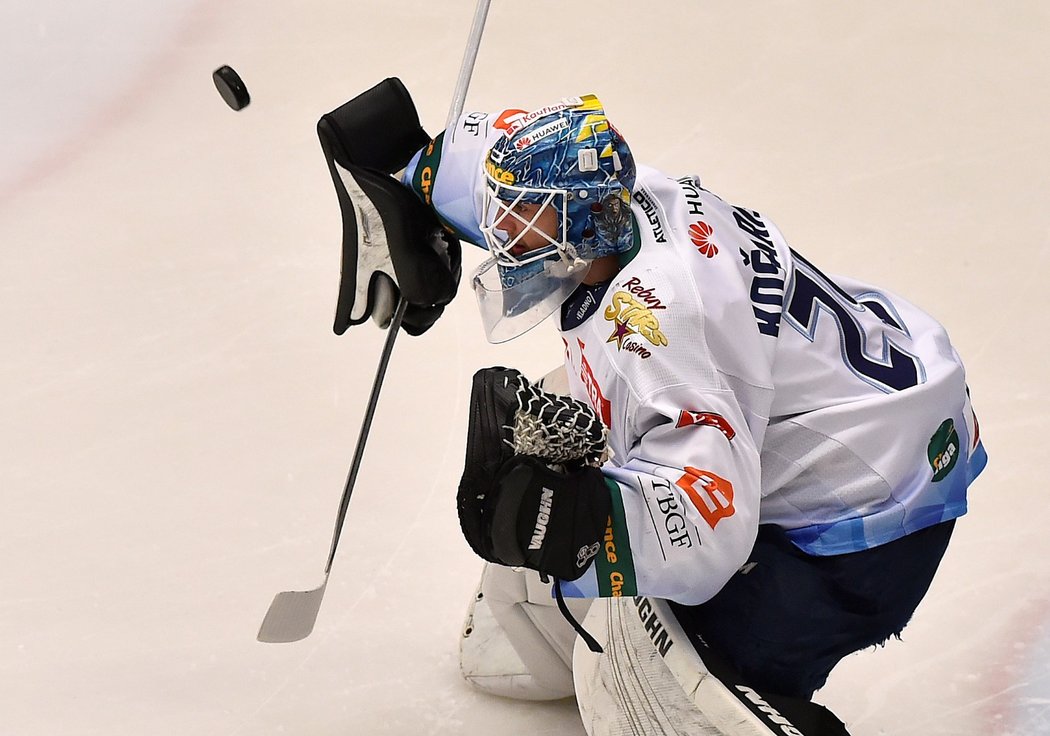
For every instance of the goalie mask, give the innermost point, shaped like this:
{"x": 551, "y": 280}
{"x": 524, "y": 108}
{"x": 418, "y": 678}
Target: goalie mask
{"x": 557, "y": 196}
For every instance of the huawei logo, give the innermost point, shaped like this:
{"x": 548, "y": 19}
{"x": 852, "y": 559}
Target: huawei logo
{"x": 700, "y": 233}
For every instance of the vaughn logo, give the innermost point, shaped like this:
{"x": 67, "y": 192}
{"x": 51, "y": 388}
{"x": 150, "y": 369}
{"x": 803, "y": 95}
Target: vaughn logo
{"x": 542, "y": 519}
{"x": 654, "y": 626}
{"x": 943, "y": 450}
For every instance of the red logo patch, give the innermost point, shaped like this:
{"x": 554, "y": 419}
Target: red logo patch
{"x": 714, "y": 499}
{"x": 700, "y": 233}
{"x": 594, "y": 391}
{"x": 706, "y": 419}
{"x": 504, "y": 121}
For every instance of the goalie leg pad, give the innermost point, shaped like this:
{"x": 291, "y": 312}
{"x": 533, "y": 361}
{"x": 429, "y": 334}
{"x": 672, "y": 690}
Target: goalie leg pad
{"x": 515, "y": 642}
{"x": 651, "y": 678}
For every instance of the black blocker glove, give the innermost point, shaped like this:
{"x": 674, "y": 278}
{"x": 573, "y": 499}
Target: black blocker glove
{"x": 546, "y": 520}
{"x": 394, "y": 247}
{"x": 531, "y": 494}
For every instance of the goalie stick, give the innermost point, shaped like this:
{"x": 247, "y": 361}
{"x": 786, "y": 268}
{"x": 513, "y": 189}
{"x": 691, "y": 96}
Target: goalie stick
{"x": 293, "y": 613}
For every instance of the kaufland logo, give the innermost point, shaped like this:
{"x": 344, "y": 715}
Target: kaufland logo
{"x": 514, "y": 123}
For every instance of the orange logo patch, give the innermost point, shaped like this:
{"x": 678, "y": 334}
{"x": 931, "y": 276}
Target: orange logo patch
{"x": 711, "y": 494}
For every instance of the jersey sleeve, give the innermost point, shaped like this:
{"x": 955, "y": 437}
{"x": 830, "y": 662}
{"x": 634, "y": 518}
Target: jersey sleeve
{"x": 685, "y": 502}
{"x": 689, "y": 496}
{"x": 447, "y": 174}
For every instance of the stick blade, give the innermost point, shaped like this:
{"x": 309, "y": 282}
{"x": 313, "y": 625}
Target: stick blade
{"x": 292, "y": 615}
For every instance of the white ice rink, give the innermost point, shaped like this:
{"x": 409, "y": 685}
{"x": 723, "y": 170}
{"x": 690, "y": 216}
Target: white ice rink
{"x": 177, "y": 417}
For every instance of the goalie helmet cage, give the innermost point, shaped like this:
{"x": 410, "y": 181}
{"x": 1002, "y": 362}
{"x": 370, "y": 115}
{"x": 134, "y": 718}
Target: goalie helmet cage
{"x": 292, "y": 614}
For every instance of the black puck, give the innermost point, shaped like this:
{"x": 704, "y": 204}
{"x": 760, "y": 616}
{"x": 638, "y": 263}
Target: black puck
{"x": 231, "y": 87}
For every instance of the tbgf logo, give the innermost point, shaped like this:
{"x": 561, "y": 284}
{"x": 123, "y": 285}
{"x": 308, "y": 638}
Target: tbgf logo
{"x": 700, "y": 233}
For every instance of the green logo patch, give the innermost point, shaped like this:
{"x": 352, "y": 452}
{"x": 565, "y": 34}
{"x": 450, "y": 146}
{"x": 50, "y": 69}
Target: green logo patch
{"x": 614, "y": 564}
{"x": 943, "y": 450}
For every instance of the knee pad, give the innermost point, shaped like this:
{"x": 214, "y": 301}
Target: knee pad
{"x": 515, "y": 642}
{"x": 651, "y": 678}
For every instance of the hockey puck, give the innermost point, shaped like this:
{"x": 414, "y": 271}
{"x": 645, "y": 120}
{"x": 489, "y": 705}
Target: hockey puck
{"x": 231, "y": 87}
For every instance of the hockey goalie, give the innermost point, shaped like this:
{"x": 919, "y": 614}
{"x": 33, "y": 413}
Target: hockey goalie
{"x": 750, "y": 468}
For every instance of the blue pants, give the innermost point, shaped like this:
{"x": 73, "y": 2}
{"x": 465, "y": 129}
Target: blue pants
{"x": 788, "y": 620}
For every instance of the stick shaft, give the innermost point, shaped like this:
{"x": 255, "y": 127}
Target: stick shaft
{"x": 466, "y": 69}
{"x": 459, "y": 96}
{"x": 292, "y": 614}
{"x": 366, "y": 426}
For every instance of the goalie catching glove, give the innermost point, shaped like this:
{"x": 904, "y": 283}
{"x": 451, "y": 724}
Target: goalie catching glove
{"x": 531, "y": 493}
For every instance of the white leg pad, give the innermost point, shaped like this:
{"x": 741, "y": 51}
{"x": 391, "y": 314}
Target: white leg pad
{"x": 516, "y": 643}
{"x": 650, "y": 680}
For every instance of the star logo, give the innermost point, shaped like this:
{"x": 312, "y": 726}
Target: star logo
{"x": 620, "y": 332}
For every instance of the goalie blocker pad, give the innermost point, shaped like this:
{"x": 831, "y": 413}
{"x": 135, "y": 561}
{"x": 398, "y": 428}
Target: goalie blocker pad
{"x": 388, "y": 233}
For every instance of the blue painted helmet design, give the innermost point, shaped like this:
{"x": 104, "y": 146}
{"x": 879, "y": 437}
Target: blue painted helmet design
{"x": 558, "y": 193}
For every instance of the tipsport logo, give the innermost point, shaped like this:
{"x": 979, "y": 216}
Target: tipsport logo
{"x": 594, "y": 391}
{"x": 689, "y": 418}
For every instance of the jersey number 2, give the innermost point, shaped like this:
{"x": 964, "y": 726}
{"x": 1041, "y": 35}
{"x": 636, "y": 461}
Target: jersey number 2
{"x": 895, "y": 370}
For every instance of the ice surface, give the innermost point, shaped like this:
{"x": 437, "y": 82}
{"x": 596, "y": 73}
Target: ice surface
{"x": 177, "y": 418}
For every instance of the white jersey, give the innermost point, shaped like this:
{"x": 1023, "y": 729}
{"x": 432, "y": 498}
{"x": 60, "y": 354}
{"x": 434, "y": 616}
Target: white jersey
{"x": 741, "y": 386}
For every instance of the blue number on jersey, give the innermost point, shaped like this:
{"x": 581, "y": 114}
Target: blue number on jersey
{"x": 812, "y": 291}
